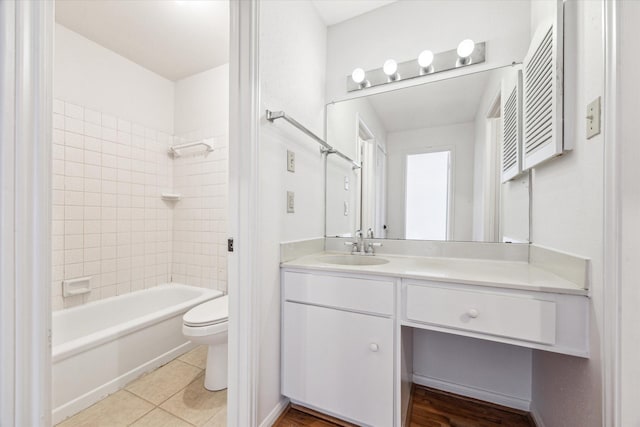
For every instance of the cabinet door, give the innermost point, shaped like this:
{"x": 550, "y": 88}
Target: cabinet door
{"x": 339, "y": 362}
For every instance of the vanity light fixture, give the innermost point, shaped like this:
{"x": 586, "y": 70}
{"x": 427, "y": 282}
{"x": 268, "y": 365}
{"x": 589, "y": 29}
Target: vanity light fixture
{"x": 425, "y": 59}
{"x": 359, "y": 77}
{"x": 390, "y": 68}
{"x": 464, "y": 51}
{"x": 468, "y": 53}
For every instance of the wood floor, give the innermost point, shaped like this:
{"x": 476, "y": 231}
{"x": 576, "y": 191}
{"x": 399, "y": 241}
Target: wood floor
{"x": 429, "y": 408}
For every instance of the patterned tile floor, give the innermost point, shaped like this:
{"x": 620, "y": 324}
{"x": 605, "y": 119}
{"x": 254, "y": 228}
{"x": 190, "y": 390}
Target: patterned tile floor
{"x": 171, "y": 396}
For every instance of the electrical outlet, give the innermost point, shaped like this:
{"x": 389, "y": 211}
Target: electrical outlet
{"x": 290, "y": 202}
{"x": 291, "y": 161}
{"x": 593, "y": 118}
{"x": 346, "y": 183}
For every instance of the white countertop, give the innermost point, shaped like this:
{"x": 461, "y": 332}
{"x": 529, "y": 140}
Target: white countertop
{"x": 500, "y": 274}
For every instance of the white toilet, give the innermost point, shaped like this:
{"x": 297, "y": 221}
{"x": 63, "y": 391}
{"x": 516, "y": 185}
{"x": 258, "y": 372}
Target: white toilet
{"x": 207, "y": 324}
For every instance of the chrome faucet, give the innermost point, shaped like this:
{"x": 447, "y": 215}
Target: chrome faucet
{"x": 361, "y": 246}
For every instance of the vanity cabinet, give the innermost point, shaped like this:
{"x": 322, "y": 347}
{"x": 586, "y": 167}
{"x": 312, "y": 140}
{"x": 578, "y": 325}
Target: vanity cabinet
{"x": 338, "y": 346}
{"x": 540, "y": 320}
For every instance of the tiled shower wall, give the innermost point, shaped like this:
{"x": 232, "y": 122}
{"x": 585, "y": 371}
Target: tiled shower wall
{"x": 200, "y": 218}
{"x": 109, "y": 221}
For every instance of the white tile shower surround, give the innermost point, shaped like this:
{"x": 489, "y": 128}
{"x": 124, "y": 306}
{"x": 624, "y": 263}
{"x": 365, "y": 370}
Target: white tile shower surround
{"x": 108, "y": 219}
{"x": 199, "y": 254}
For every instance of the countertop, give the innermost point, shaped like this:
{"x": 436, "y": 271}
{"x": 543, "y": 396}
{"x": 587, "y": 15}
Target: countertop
{"x": 490, "y": 273}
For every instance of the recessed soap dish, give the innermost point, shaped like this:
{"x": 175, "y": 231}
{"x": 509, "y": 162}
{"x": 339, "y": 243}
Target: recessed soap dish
{"x": 79, "y": 286}
{"x": 171, "y": 197}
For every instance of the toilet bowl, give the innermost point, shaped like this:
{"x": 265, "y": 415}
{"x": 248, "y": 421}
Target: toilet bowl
{"x": 207, "y": 324}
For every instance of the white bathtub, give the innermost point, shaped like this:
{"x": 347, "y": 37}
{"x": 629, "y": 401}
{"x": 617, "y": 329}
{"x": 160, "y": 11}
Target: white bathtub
{"x": 101, "y": 346}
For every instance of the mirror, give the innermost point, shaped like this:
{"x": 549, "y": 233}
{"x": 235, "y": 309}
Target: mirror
{"x": 431, "y": 147}
{"x": 431, "y": 164}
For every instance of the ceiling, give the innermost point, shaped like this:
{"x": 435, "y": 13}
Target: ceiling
{"x": 336, "y": 11}
{"x": 174, "y": 39}
{"x": 441, "y": 103}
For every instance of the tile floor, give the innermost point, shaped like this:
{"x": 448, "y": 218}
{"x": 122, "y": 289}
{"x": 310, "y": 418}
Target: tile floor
{"x": 171, "y": 396}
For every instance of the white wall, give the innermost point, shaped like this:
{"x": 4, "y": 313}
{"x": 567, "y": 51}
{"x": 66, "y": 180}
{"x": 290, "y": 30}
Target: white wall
{"x": 199, "y": 250}
{"x": 630, "y": 227}
{"x": 403, "y": 29}
{"x": 202, "y": 103}
{"x": 567, "y": 215}
{"x": 292, "y": 75}
{"x": 496, "y": 368}
{"x": 90, "y": 75}
{"x": 460, "y": 138}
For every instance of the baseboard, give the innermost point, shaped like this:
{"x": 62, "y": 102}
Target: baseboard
{"x": 76, "y": 405}
{"x": 476, "y": 393}
{"x": 275, "y": 413}
{"x": 535, "y": 414}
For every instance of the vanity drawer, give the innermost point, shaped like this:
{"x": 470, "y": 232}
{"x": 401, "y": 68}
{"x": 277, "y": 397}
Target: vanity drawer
{"x": 348, "y": 293}
{"x": 512, "y": 316}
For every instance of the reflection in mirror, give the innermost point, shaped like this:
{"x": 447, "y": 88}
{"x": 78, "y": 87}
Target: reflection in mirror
{"x": 431, "y": 164}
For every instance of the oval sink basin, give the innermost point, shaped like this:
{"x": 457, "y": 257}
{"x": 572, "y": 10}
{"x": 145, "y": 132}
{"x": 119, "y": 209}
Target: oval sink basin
{"x": 352, "y": 260}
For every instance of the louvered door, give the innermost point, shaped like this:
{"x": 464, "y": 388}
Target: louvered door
{"x": 542, "y": 93}
{"x": 511, "y": 107}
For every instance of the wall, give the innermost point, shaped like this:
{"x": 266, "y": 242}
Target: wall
{"x": 567, "y": 215}
{"x": 200, "y": 218}
{"x": 501, "y": 370}
{"x": 403, "y": 29}
{"x": 90, "y": 75}
{"x": 108, "y": 220}
{"x": 630, "y": 226}
{"x": 110, "y": 169}
{"x": 292, "y": 76}
{"x": 460, "y": 138}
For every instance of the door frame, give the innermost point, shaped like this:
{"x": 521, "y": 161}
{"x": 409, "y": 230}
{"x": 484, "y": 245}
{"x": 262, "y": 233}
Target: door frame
{"x": 26, "y": 81}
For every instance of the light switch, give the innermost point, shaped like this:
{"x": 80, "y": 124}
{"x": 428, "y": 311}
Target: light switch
{"x": 290, "y": 202}
{"x": 346, "y": 208}
{"x": 593, "y": 118}
{"x": 291, "y": 161}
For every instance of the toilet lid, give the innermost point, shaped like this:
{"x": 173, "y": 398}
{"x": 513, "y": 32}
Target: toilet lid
{"x": 208, "y": 313}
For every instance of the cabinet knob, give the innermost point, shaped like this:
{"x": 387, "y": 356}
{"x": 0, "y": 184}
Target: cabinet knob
{"x": 373, "y": 347}
{"x": 473, "y": 313}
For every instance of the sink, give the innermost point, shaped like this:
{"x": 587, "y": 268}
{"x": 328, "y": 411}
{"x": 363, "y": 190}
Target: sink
{"x": 352, "y": 260}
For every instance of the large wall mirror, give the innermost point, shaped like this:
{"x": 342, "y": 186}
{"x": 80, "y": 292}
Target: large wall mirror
{"x": 431, "y": 157}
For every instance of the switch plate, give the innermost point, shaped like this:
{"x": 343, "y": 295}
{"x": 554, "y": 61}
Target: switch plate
{"x": 291, "y": 161}
{"x": 593, "y": 118}
{"x": 346, "y": 183}
{"x": 290, "y": 202}
{"x": 346, "y": 208}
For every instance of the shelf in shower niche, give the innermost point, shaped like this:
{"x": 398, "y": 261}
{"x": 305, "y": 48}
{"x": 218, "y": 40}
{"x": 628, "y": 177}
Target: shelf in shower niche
{"x": 171, "y": 197}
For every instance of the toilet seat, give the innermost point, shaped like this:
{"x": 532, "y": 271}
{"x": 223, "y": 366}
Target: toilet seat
{"x": 209, "y": 313}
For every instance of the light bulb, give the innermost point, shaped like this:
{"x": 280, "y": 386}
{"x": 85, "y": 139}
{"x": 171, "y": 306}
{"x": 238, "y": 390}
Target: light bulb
{"x": 465, "y": 48}
{"x": 358, "y": 75}
{"x": 425, "y": 59}
{"x": 390, "y": 67}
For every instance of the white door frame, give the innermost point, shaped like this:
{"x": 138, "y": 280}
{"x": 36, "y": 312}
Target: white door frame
{"x": 244, "y": 91}
{"x": 26, "y": 73}
{"x": 611, "y": 353}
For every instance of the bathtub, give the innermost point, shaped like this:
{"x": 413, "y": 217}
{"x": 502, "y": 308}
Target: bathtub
{"x": 101, "y": 346}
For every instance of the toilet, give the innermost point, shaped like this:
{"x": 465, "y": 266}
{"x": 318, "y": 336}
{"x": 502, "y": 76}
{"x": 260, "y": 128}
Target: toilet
{"x": 207, "y": 324}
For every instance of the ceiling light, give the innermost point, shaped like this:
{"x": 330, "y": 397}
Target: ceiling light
{"x": 390, "y": 68}
{"x": 465, "y": 49}
{"x": 358, "y": 75}
{"x": 425, "y": 59}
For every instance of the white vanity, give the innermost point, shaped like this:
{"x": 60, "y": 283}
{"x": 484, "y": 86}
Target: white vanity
{"x": 347, "y": 326}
